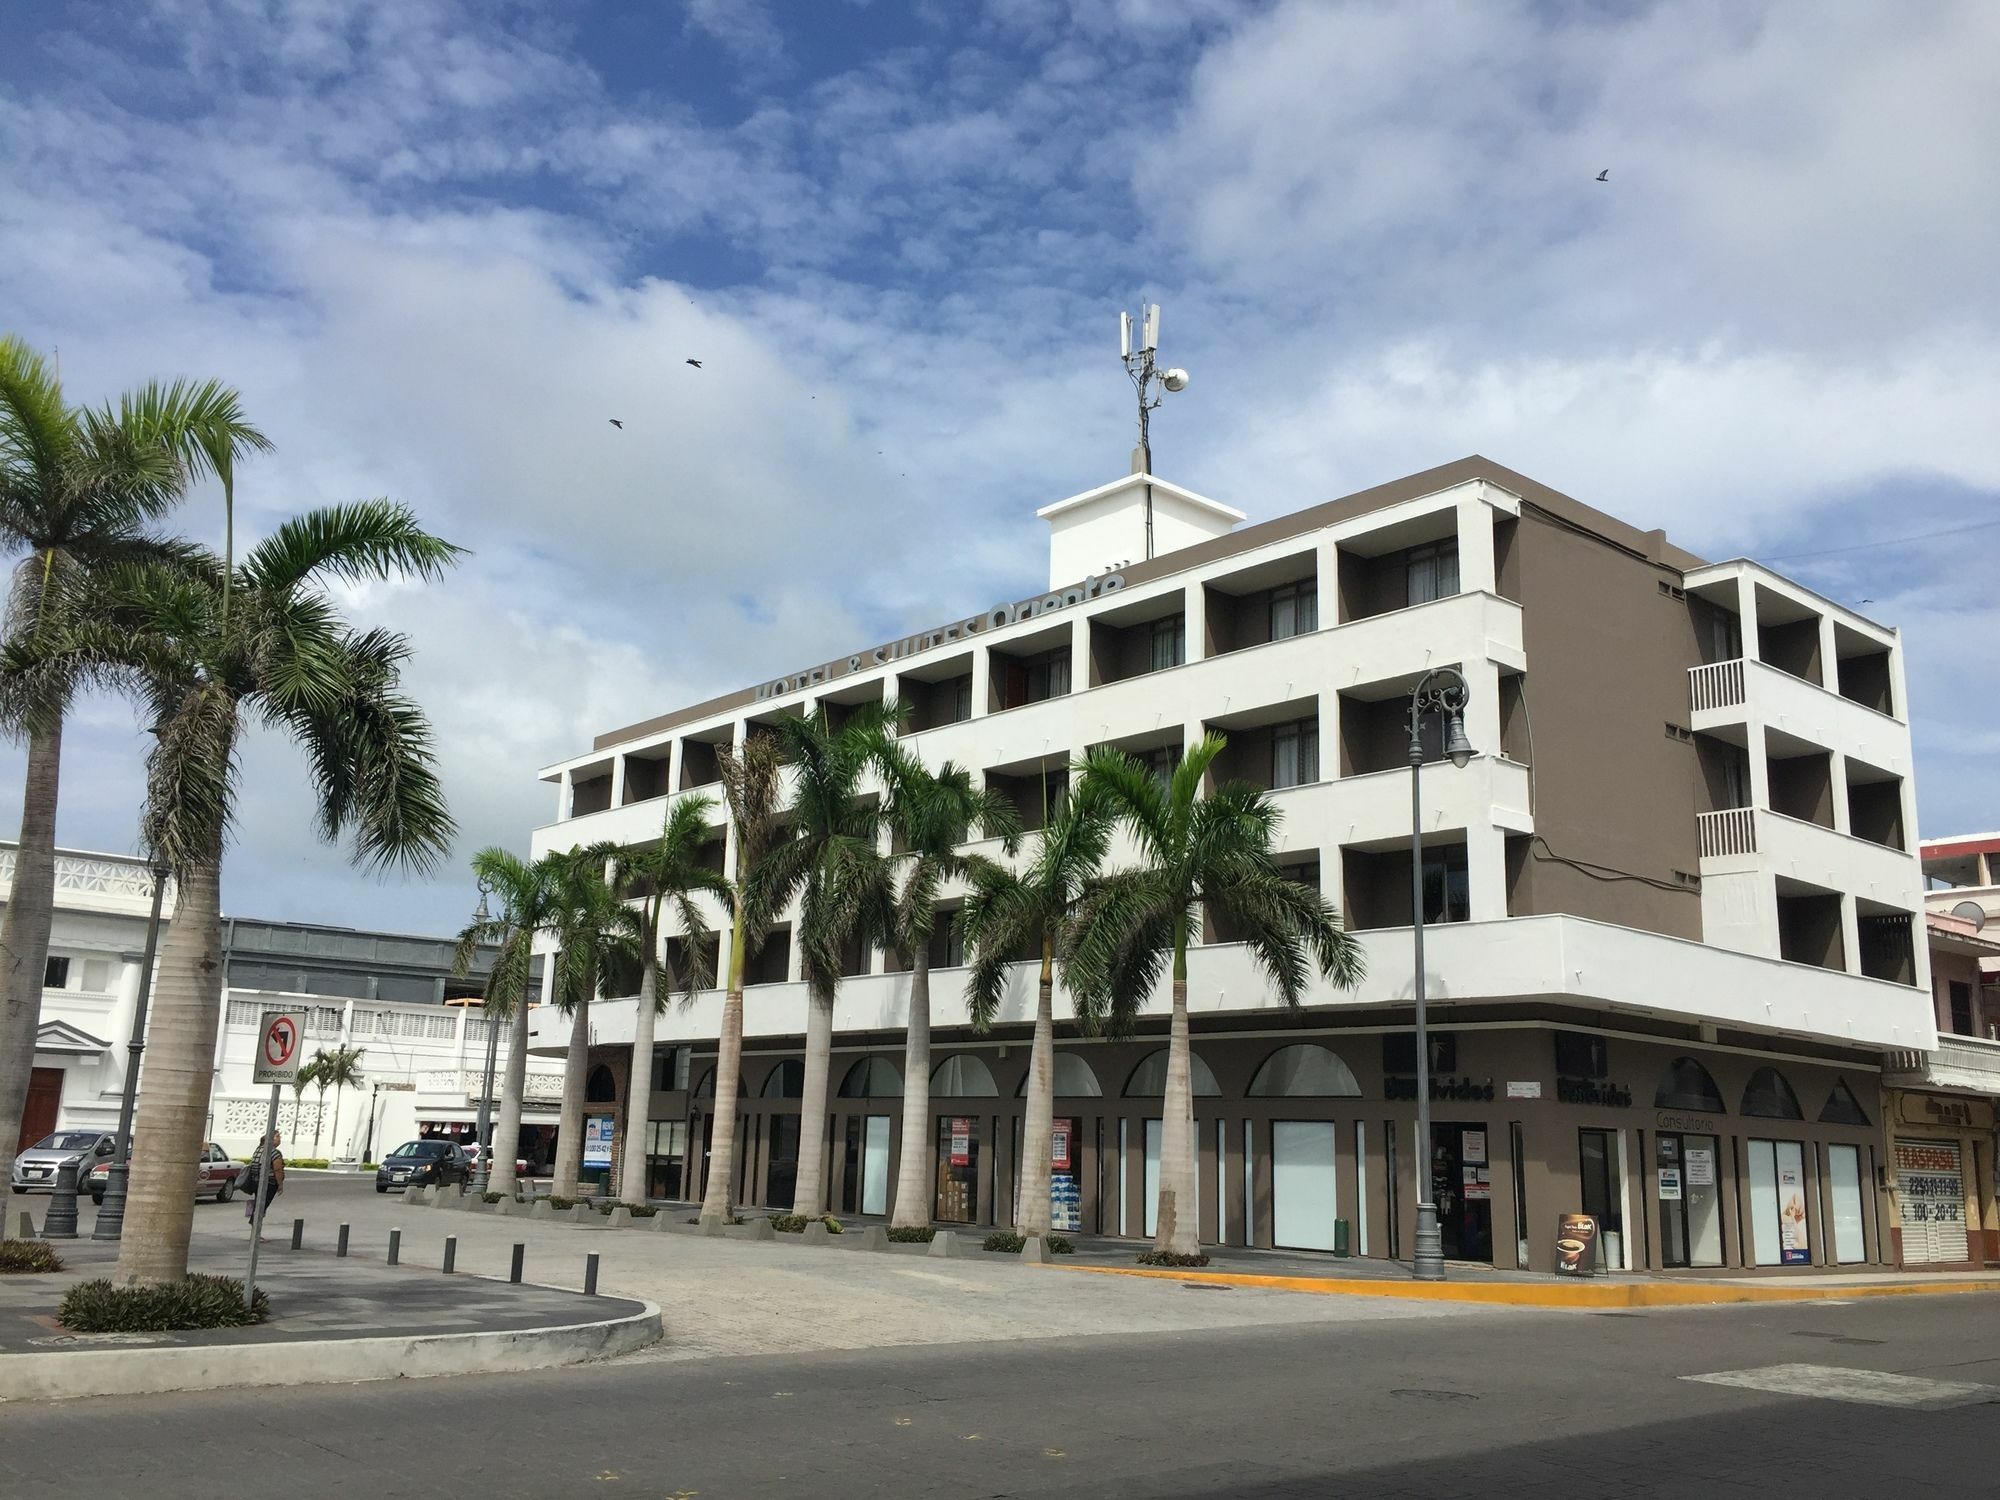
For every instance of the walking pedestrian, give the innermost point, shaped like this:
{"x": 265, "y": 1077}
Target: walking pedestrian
{"x": 266, "y": 1175}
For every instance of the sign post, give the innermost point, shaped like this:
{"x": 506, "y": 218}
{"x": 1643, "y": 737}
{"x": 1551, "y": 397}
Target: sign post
{"x": 280, "y": 1049}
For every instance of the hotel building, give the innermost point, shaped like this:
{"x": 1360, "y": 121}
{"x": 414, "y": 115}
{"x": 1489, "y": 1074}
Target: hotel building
{"x": 1676, "y": 899}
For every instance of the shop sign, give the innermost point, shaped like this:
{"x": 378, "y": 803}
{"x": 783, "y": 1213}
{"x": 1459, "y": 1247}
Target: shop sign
{"x": 1693, "y": 1124}
{"x": 1929, "y": 1109}
{"x": 1065, "y": 1203}
{"x": 597, "y": 1135}
{"x": 1792, "y": 1250}
{"x": 1669, "y": 1149}
{"x": 1531, "y": 1089}
{"x": 1477, "y": 1184}
{"x": 1442, "y": 1089}
{"x": 1700, "y": 1167}
{"x": 1576, "y": 1245}
{"x": 1593, "y": 1091}
{"x": 1059, "y": 1146}
{"x": 1670, "y": 1183}
{"x": 1472, "y": 1146}
{"x": 961, "y": 1141}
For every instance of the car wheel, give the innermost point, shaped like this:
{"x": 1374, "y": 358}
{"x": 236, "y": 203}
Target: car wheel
{"x": 381, "y": 1187}
{"x": 97, "y": 1200}
{"x": 224, "y": 1193}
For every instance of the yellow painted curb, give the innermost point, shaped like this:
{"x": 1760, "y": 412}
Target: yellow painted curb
{"x": 1553, "y": 1293}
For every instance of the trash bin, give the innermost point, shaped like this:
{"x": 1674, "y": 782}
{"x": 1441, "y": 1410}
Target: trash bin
{"x": 1341, "y": 1239}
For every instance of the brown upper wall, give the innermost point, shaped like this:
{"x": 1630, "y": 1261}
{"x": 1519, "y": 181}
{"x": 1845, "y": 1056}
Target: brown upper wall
{"x": 1651, "y": 546}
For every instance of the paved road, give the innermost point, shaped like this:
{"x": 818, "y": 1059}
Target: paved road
{"x": 1529, "y": 1404}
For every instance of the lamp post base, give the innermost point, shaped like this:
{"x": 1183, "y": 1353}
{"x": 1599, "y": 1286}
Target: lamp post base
{"x": 1428, "y": 1262}
{"x": 111, "y": 1212}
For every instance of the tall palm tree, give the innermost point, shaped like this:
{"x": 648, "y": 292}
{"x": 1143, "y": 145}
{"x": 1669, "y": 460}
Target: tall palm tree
{"x": 338, "y": 1069}
{"x": 595, "y": 933}
{"x": 668, "y": 873}
{"x": 750, "y": 784}
{"x": 285, "y": 660}
{"x": 79, "y": 490}
{"x": 526, "y": 894}
{"x": 932, "y": 813}
{"x": 301, "y": 1081}
{"x": 1196, "y": 852}
{"x": 829, "y": 863}
{"x": 1012, "y": 914}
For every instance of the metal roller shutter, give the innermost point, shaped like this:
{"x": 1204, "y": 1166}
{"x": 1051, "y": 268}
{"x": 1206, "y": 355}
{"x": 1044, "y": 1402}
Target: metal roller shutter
{"x": 1930, "y": 1187}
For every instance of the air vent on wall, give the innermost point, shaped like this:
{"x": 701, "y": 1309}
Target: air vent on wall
{"x": 1680, "y": 732}
{"x": 1669, "y": 591}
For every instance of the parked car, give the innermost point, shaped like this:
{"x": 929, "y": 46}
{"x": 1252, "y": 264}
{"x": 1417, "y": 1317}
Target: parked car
{"x": 423, "y": 1164}
{"x": 35, "y": 1169}
{"x": 215, "y": 1176}
{"x": 475, "y": 1151}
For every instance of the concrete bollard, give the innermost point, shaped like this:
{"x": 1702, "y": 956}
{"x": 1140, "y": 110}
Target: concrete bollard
{"x": 590, "y": 1276}
{"x": 583, "y": 1213}
{"x": 298, "y": 1233}
{"x": 761, "y": 1229}
{"x": 340, "y": 1247}
{"x": 59, "y": 1223}
{"x": 395, "y": 1246}
{"x": 416, "y": 1197}
{"x": 663, "y": 1222}
{"x": 875, "y": 1237}
{"x": 26, "y": 1227}
{"x": 450, "y": 1253}
{"x": 520, "y": 1260}
{"x": 713, "y": 1227}
{"x": 503, "y": 1208}
{"x": 1035, "y": 1250}
{"x": 945, "y": 1246}
{"x": 543, "y": 1209}
{"x": 816, "y": 1233}
{"x": 621, "y": 1217}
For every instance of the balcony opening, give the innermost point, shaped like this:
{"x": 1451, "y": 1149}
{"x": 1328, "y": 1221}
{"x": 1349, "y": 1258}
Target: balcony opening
{"x": 646, "y": 774}
{"x": 1032, "y": 670}
{"x": 765, "y": 729}
{"x": 680, "y": 956}
{"x": 1273, "y": 601}
{"x": 1875, "y": 805}
{"x": 1725, "y": 774}
{"x": 937, "y": 693}
{"x": 1959, "y": 1013}
{"x": 1147, "y": 635}
{"x": 1271, "y": 747}
{"x": 947, "y": 944}
{"x": 840, "y": 704}
{"x": 1375, "y": 729}
{"x": 1034, "y": 788}
{"x": 1886, "y": 942}
{"x": 1507, "y": 557}
{"x": 1377, "y": 882}
{"x": 1371, "y": 586}
{"x": 1861, "y": 671}
{"x": 1809, "y": 926}
{"x": 589, "y": 794}
{"x": 771, "y": 962}
{"x": 1516, "y": 737}
{"x": 1788, "y": 636}
{"x": 1302, "y": 866}
{"x": 1718, "y": 631}
{"x": 713, "y": 852}
{"x": 1801, "y": 779}
{"x": 1158, "y": 750}
{"x": 698, "y": 763}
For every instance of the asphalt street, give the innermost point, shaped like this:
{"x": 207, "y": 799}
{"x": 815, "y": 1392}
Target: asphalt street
{"x": 1515, "y": 1404}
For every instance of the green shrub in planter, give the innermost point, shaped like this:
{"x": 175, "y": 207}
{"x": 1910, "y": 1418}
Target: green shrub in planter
{"x": 832, "y": 1224}
{"x": 1168, "y": 1258}
{"x": 306, "y": 1161}
{"x": 733, "y": 1218}
{"x": 643, "y": 1210}
{"x": 1004, "y": 1242}
{"x": 196, "y": 1302}
{"x": 923, "y": 1234}
{"x": 369, "y": 1166}
{"x": 561, "y": 1205}
{"x": 789, "y": 1223}
{"x": 1060, "y": 1245}
{"x": 491, "y": 1197}
{"x": 28, "y": 1258}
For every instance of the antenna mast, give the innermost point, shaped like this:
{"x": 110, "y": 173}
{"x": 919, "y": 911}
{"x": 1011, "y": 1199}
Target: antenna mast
{"x": 1150, "y": 382}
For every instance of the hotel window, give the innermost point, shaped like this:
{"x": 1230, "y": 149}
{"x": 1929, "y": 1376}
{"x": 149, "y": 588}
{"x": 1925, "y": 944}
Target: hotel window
{"x": 1169, "y": 642}
{"x": 1294, "y": 609}
{"x": 1160, "y": 762}
{"x": 1048, "y": 675}
{"x": 1295, "y": 753}
{"x": 961, "y": 700}
{"x": 1447, "y": 887}
{"x": 55, "y": 974}
{"x": 1961, "y": 1008}
{"x": 1433, "y": 572}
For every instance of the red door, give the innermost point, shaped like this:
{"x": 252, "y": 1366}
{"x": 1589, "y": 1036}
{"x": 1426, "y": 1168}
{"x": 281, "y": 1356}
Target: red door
{"x": 44, "y": 1104}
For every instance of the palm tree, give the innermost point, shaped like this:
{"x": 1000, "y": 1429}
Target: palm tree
{"x": 526, "y": 894}
{"x": 286, "y": 660}
{"x": 1196, "y": 852}
{"x": 340, "y": 1068}
{"x": 829, "y": 863}
{"x": 595, "y": 933}
{"x": 667, "y": 873}
{"x": 932, "y": 813}
{"x": 1011, "y": 914}
{"x": 316, "y": 1065}
{"x": 750, "y": 779}
{"x": 301, "y": 1081}
{"x": 79, "y": 490}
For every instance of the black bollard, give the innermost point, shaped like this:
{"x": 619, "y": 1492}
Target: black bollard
{"x": 298, "y": 1233}
{"x": 395, "y": 1246}
{"x": 520, "y": 1255}
{"x": 590, "y": 1276}
{"x": 340, "y": 1250}
{"x": 61, "y": 1221}
{"x": 450, "y": 1253}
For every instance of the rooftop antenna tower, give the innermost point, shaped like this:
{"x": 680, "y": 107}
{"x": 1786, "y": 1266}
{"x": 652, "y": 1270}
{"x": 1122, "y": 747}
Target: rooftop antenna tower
{"x": 1139, "y": 347}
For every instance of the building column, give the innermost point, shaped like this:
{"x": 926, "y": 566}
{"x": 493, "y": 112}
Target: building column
{"x": 617, "y": 781}
{"x": 1194, "y": 621}
{"x": 982, "y": 678}
{"x": 1746, "y": 615}
{"x": 1829, "y": 660}
{"x": 1327, "y": 562}
{"x": 131, "y": 967}
{"x": 1850, "y": 934}
{"x": 1836, "y": 770}
{"x": 1486, "y": 872}
{"x": 1760, "y": 766}
{"x": 564, "y": 797}
{"x": 675, "y": 769}
{"x": 1476, "y": 569}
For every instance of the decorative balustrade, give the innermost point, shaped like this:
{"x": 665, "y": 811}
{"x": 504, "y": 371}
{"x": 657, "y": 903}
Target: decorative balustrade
{"x": 1717, "y": 685}
{"x": 1733, "y": 830}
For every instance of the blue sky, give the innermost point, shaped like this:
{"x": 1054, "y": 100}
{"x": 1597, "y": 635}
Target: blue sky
{"x": 437, "y": 245}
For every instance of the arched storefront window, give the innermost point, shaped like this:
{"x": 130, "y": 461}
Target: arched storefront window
{"x": 1304, "y": 1070}
{"x": 786, "y": 1081}
{"x": 964, "y": 1077}
{"x": 872, "y": 1078}
{"x": 1842, "y": 1108}
{"x": 706, "y": 1088}
{"x": 600, "y": 1087}
{"x": 1149, "y": 1079}
{"x": 1686, "y": 1085}
{"x": 1768, "y": 1097}
{"x": 1074, "y": 1080}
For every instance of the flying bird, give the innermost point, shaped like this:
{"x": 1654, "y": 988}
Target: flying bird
{"x": 616, "y": 423}
{"x": 696, "y": 363}
{"x": 1605, "y": 175}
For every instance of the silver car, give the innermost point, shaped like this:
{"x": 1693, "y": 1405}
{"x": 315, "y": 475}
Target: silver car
{"x": 35, "y": 1168}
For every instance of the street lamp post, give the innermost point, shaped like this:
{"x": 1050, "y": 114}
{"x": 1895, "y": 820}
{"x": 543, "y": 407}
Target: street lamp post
{"x": 1440, "y": 690}
{"x": 482, "y": 916}
{"x": 111, "y": 1215}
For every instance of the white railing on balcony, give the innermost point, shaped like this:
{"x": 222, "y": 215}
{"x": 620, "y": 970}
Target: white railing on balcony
{"x": 1718, "y": 685}
{"x": 1959, "y": 1062}
{"x": 1730, "y": 831}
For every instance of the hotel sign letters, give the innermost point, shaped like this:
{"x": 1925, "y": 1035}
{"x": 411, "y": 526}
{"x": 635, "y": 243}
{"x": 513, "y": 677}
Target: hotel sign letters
{"x": 995, "y": 618}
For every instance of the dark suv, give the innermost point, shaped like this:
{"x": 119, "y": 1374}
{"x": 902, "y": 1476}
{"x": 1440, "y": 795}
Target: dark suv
{"x": 423, "y": 1164}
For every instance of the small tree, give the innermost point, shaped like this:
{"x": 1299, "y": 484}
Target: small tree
{"x": 338, "y": 1069}
{"x": 594, "y": 931}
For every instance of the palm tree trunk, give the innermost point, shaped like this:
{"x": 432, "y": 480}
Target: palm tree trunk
{"x": 912, "y": 1209}
{"x": 506, "y": 1143}
{"x": 319, "y": 1115}
{"x": 1031, "y": 1214}
{"x": 809, "y": 1194}
{"x": 1179, "y": 1229}
{"x": 333, "y": 1136}
{"x": 717, "y": 1191}
{"x": 569, "y": 1132}
{"x": 639, "y": 1090}
{"x": 24, "y": 932}
{"x": 180, "y": 1064}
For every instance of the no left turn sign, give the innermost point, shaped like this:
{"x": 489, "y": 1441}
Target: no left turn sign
{"x": 278, "y": 1046}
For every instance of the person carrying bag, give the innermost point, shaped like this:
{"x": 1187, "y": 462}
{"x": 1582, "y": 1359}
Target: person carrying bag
{"x": 265, "y": 1175}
